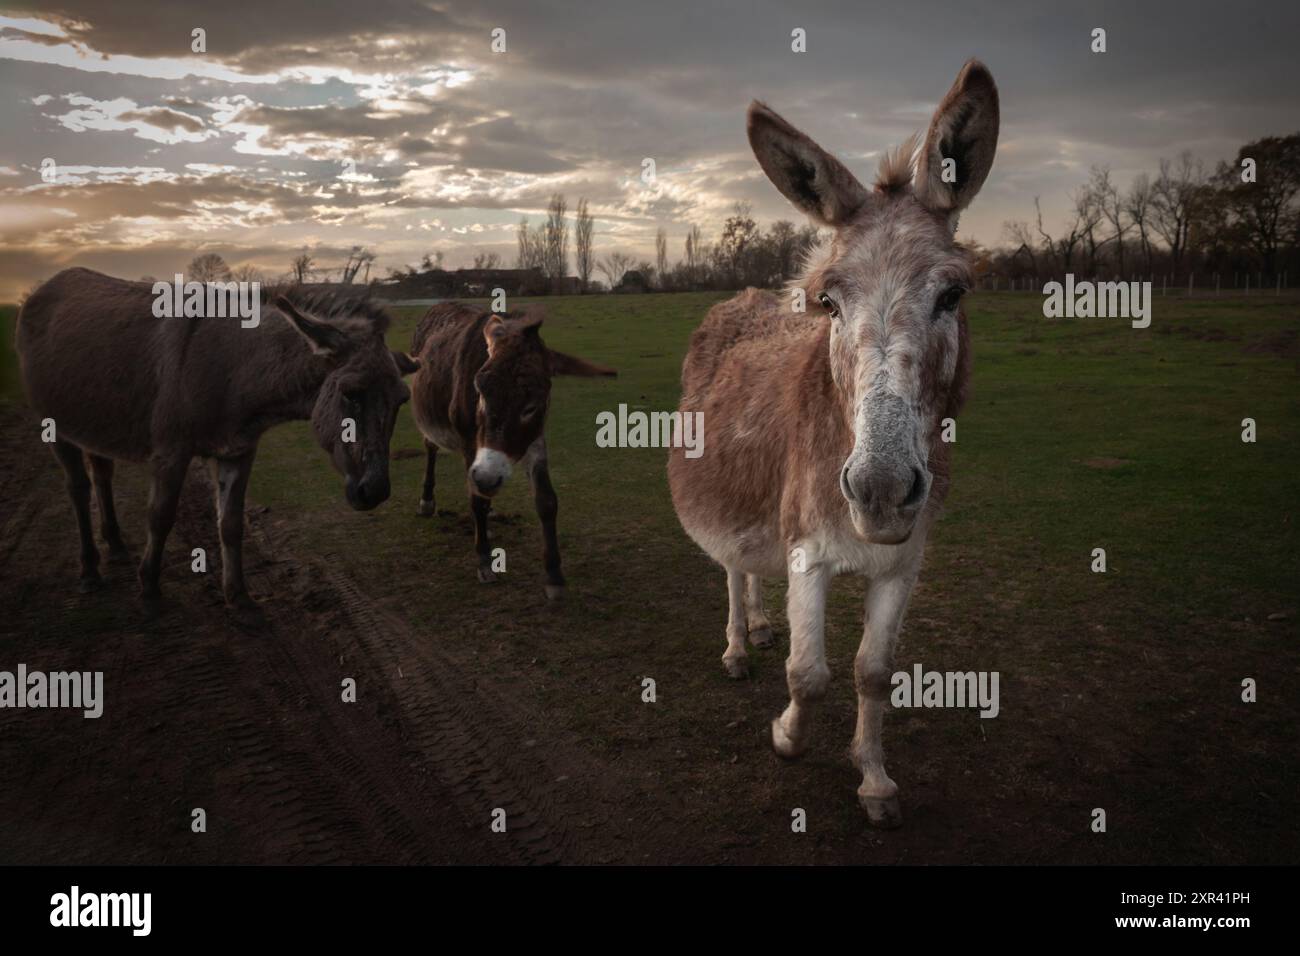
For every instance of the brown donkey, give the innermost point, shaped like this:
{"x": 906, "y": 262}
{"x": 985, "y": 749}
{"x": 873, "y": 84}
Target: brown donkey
{"x": 826, "y": 455}
{"x": 483, "y": 390}
{"x": 120, "y": 383}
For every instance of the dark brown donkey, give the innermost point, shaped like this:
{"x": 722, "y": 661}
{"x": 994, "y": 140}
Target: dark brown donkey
{"x": 120, "y": 383}
{"x": 482, "y": 390}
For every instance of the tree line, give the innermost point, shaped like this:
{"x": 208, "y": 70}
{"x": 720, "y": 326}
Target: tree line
{"x": 1240, "y": 216}
{"x": 742, "y": 255}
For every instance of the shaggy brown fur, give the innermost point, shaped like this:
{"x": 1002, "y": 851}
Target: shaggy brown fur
{"x": 485, "y": 385}
{"x": 120, "y": 383}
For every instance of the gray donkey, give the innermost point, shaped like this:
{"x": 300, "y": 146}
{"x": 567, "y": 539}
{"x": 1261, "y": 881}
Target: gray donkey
{"x": 827, "y": 457}
{"x": 120, "y": 383}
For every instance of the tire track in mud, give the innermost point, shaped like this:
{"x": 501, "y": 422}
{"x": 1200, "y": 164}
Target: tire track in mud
{"x": 468, "y": 740}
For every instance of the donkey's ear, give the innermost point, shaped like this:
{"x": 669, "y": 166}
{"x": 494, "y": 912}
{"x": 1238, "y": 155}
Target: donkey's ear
{"x": 562, "y": 364}
{"x": 324, "y": 339}
{"x": 964, "y": 130}
{"x": 405, "y": 363}
{"x": 815, "y": 181}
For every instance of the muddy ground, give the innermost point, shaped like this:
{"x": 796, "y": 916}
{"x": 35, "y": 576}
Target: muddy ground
{"x": 245, "y": 720}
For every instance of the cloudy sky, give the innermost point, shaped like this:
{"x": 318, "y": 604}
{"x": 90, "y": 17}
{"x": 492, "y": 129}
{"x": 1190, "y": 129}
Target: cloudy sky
{"x": 393, "y": 124}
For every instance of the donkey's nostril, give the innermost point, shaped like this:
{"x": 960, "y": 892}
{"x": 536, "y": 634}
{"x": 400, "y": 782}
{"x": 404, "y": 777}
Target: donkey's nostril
{"x": 846, "y": 487}
{"x": 917, "y": 491}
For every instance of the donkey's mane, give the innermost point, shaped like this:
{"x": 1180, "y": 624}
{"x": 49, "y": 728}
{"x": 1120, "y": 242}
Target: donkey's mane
{"x": 898, "y": 166}
{"x": 332, "y": 305}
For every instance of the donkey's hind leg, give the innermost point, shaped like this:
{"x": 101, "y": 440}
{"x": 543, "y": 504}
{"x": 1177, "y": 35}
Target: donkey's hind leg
{"x": 756, "y": 622}
{"x": 735, "y": 660}
{"x": 101, "y": 469}
{"x": 74, "y": 465}
{"x": 426, "y": 508}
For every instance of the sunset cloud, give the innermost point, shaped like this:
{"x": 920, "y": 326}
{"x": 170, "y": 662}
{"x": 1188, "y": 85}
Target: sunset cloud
{"x": 395, "y": 125}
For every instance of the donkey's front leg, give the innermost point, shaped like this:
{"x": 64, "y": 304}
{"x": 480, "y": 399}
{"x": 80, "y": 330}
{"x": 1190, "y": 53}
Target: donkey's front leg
{"x": 481, "y": 507}
{"x": 548, "y": 505}
{"x": 805, "y": 669}
{"x": 885, "y": 604}
{"x": 230, "y": 478}
{"x": 164, "y": 495}
{"x": 760, "y": 628}
{"x": 426, "y": 507}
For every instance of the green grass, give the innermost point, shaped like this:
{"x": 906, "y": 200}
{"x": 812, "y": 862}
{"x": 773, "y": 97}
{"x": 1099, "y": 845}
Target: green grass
{"x": 1189, "y": 516}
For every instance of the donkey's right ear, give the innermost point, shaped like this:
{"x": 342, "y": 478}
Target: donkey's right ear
{"x": 324, "y": 339}
{"x": 811, "y": 178}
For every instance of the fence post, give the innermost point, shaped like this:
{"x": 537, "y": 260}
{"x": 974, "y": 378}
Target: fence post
{"x": 1247, "y": 283}
{"x": 1189, "y": 284}
{"x": 1279, "y": 286}
{"x": 1216, "y": 285}
{"x": 1164, "y": 284}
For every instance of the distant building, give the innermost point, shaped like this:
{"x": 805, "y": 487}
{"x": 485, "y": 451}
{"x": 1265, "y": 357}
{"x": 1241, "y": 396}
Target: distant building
{"x": 467, "y": 283}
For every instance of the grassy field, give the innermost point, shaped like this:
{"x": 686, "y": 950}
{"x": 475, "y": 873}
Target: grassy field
{"x": 1079, "y": 434}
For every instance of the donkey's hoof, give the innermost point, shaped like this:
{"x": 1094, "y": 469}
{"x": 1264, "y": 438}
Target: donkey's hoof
{"x": 763, "y": 637}
{"x": 555, "y": 592}
{"x": 425, "y": 510}
{"x": 90, "y": 583}
{"x": 243, "y": 605}
{"x": 782, "y": 744}
{"x": 737, "y": 668}
{"x": 487, "y": 576}
{"x": 151, "y": 606}
{"x": 882, "y": 812}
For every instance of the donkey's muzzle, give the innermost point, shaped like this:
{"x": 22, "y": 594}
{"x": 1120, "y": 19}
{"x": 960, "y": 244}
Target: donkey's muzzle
{"x": 367, "y": 493}
{"x": 885, "y": 498}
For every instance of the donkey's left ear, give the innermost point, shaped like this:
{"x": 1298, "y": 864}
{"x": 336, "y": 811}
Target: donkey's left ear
{"x": 562, "y": 364}
{"x": 405, "y": 363}
{"x": 965, "y": 131}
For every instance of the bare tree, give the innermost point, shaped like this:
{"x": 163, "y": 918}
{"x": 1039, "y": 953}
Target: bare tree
{"x": 359, "y": 256}
{"x": 613, "y": 267}
{"x": 583, "y": 231}
{"x": 248, "y": 273}
{"x": 1087, "y": 210}
{"x": 1018, "y": 231}
{"x": 1112, "y": 205}
{"x": 532, "y": 246}
{"x": 695, "y": 254}
{"x": 1063, "y": 248}
{"x": 661, "y": 256}
{"x": 301, "y": 266}
{"x": 556, "y": 261}
{"x": 1173, "y": 202}
{"x": 487, "y": 260}
{"x": 208, "y": 267}
{"x": 1137, "y": 204}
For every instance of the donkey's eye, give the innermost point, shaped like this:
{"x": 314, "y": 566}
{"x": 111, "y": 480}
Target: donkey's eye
{"x": 948, "y": 301}
{"x": 354, "y": 396}
{"x": 829, "y": 305}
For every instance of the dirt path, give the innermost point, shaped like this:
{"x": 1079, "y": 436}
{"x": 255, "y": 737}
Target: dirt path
{"x": 246, "y": 720}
